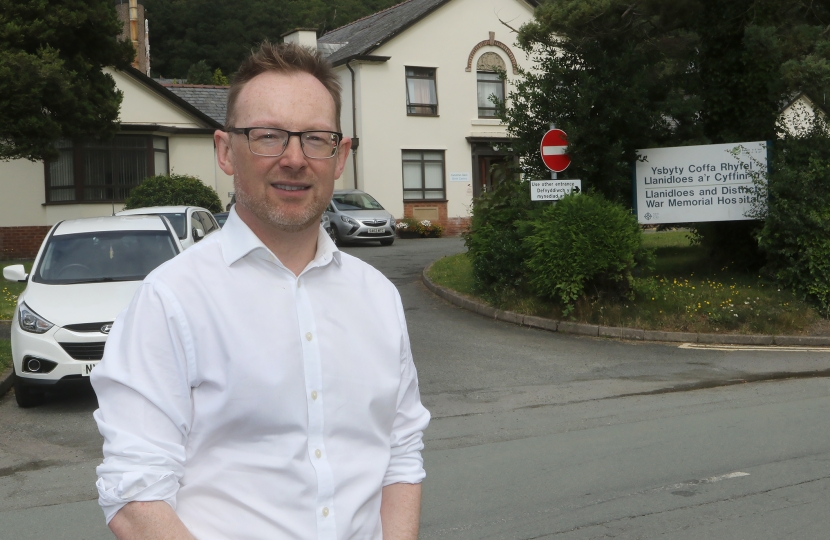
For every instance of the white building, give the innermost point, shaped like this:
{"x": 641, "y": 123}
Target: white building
{"x": 160, "y": 133}
{"x": 416, "y": 81}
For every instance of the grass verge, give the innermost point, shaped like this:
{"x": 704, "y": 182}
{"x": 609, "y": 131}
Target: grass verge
{"x": 5, "y": 354}
{"x": 10, "y": 291}
{"x": 684, "y": 292}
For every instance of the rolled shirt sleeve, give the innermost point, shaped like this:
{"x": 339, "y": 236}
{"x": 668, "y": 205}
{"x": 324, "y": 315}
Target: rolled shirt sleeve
{"x": 143, "y": 385}
{"x": 406, "y": 465}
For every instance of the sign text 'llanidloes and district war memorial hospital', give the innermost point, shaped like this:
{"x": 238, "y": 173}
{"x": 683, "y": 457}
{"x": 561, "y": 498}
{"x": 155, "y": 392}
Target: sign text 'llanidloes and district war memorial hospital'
{"x": 686, "y": 184}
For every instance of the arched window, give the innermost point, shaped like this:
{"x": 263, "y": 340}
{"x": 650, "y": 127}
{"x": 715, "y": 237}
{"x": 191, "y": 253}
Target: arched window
{"x": 488, "y": 69}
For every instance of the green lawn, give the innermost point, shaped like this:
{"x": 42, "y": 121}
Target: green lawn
{"x": 10, "y": 291}
{"x": 5, "y": 354}
{"x": 685, "y": 291}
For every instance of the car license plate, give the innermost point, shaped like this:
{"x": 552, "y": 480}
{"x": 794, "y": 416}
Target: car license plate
{"x": 376, "y": 230}
{"x": 88, "y": 368}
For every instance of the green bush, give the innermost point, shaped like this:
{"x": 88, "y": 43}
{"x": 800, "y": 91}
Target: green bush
{"x": 796, "y": 234}
{"x": 584, "y": 244}
{"x": 494, "y": 240}
{"x": 173, "y": 190}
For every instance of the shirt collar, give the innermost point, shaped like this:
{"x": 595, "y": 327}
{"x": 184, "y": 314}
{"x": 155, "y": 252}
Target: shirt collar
{"x": 238, "y": 240}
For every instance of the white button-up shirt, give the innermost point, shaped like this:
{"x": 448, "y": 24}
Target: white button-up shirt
{"x": 259, "y": 404}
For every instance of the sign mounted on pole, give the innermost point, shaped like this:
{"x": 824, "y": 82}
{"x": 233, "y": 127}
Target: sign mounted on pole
{"x": 553, "y": 190}
{"x": 554, "y": 149}
{"x": 692, "y": 184}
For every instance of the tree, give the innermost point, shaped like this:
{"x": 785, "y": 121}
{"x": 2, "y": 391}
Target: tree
{"x": 618, "y": 76}
{"x": 199, "y": 73}
{"x": 219, "y": 79}
{"x": 51, "y": 81}
{"x": 223, "y": 33}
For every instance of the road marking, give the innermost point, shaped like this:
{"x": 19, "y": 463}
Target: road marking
{"x": 768, "y": 348}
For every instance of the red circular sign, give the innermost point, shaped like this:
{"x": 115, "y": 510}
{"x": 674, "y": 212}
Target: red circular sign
{"x": 553, "y": 149}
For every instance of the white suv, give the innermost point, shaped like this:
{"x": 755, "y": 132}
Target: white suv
{"x": 85, "y": 273}
{"x": 191, "y": 223}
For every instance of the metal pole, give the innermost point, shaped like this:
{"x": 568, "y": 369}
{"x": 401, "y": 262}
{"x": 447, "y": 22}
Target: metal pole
{"x": 553, "y": 175}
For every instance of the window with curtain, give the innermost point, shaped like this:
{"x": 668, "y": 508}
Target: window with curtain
{"x": 103, "y": 171}
{"x": 423, "y": 175}
{"x": 421, "y": 93}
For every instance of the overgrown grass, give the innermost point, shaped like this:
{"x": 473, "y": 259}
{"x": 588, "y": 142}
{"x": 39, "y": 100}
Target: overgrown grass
{"x": 5, "y": 354}
{"x": 10, "y": 291}
{"x": 685, "y": 291}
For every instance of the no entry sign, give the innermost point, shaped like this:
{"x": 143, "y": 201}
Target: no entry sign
{"x": 553, "y": 148}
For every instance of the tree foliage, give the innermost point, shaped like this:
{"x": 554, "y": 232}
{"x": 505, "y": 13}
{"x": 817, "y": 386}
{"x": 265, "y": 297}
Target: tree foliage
{"x": 199, "y": 73}
{"x": 173, "y": 190}
{"x": 184, "y": 32}
{"x": 51, "y": 80}
{"x": 618, "y": 76}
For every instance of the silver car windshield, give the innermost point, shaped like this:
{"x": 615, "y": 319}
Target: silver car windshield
{"x": 356, "y": 201}
{"x": 103, "y": 256}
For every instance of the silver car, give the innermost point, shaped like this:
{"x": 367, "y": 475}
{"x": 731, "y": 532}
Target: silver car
{"x": 356, "y": 216}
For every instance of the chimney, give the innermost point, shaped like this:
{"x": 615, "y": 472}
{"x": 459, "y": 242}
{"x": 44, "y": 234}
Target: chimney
{"x": 307, "y": 37}
{"x": 131, "y": 14}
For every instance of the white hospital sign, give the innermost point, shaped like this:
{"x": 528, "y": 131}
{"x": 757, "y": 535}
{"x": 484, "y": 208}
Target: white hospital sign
{"x": 689, "y": 184}
{"x": 552, "y": 190}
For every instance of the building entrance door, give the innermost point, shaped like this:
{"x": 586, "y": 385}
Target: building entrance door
{"x": 492, "y": 163}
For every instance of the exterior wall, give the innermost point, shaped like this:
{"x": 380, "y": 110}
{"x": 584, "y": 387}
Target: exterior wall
{"x": 141, "y": 105}
{"x": 25, "y": 218}
{"x": 383, "y": 125}
{"x": 798, "y": 116}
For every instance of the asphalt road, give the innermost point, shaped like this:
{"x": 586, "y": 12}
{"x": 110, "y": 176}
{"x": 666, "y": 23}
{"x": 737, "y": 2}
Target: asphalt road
{"x": 534, "y": 434}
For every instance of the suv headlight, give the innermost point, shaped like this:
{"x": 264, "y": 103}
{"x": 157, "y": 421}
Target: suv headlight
{"x": 31, "y": 321}
{"x": 350, "y": 221}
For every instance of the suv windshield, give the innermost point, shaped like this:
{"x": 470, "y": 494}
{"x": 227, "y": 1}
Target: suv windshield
{"x": 103, "y": 256}
{"x": 177, "y": 220}
{"x": 356, "y": 201}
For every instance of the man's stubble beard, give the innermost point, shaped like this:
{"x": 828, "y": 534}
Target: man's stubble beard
{"x": 275, "y": 216}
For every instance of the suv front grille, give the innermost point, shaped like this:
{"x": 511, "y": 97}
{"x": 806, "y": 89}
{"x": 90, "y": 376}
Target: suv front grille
{"x": 87, "y": 327}
{"x": 374, "y": 222}
{"x": 85, "y": 351}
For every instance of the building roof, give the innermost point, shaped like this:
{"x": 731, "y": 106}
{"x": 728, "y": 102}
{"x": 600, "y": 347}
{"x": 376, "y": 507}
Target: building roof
{"x": 211, "y": 100}
{"x": 185, "y": 104}
{"x": 362, "y": 36}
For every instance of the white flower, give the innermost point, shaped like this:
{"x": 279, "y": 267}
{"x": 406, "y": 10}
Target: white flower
{"x": 426, "y": 223}
{"x": 401, "y": 225}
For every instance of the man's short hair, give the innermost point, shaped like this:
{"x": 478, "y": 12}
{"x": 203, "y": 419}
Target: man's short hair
{"x": 284, "y": 58}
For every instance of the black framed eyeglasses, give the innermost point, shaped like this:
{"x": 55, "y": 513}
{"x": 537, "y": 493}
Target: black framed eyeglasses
{"x": 272, "y": 142}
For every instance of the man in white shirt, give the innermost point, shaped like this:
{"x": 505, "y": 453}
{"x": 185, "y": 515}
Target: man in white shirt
{"x": 260, "y": 385}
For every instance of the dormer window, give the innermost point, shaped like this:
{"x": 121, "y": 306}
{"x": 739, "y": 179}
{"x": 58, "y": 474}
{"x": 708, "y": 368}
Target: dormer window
{"x": 490, "y": 66}
{"x": 421, "y": 93}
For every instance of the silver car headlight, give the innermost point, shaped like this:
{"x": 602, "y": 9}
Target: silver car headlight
{"x": 31, "y": 321}
{"x": 350, "y": 221}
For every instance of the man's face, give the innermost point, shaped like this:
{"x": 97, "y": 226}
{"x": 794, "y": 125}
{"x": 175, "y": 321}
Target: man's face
{"x": 289, "y": 192}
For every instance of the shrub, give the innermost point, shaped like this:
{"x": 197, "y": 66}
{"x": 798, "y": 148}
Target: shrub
{"x": 582, "y": 244}
{"x": 425, "y": 228}
{"x": 173, "y": 190}
{"x": 494, "y": 240}
{"x": 796, "y": 234}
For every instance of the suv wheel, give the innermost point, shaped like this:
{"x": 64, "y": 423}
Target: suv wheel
{"x": 25, "y": 395}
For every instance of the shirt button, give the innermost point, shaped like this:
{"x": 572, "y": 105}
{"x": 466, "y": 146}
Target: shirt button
{"x": 318, "y": 453}
{"x": 314, "y": 394}
{"x": 308, "y": 336}
{"x": 325, "y": 512}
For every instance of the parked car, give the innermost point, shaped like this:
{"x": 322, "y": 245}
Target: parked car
{"x": 85, "y": 273}
{"x": 221, "y": 218}
{"x": 357, "y": 217}
{"x": 191, "y": 223}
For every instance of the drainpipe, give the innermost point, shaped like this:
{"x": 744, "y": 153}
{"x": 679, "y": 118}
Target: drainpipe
{"x": 134, "y": 29}
{"x": 355, "y": 139}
